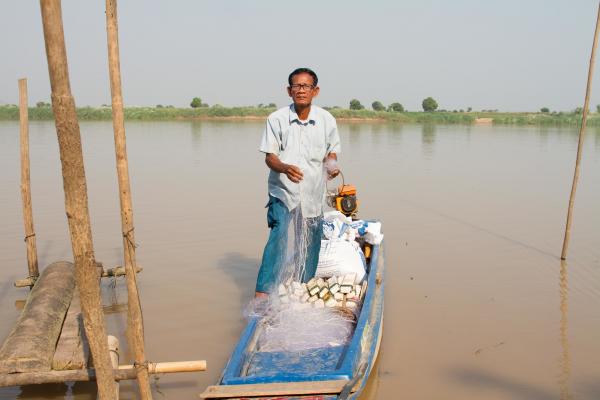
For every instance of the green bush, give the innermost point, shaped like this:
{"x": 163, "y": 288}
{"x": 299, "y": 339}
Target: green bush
{"x": 396, "y": 107}
{"x": 196, "y": 102}
{"x": 429, "y": 104}
{"x": 355, "y": 105}
{"x": 378, "y": 106}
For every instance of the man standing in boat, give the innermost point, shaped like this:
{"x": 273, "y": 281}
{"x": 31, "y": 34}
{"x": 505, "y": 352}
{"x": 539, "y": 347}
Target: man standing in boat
{"x": 301, "y": 143}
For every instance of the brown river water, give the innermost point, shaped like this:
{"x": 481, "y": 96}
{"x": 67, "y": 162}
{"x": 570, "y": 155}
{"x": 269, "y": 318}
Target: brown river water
{"x": 478, "y": 305}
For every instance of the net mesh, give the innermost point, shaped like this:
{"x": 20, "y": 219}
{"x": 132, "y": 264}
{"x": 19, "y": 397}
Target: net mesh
{"x": 303, "y": 316}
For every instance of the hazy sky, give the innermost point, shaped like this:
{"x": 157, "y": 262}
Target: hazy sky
{"x": 510, "y": 55}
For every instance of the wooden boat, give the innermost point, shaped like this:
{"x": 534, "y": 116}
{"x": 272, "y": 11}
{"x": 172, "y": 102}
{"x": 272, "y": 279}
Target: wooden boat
{"x": 334, "y": 372}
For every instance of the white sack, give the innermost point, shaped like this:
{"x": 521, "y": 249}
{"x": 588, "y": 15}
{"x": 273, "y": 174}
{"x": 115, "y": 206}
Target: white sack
{"x": 340, "y": 257}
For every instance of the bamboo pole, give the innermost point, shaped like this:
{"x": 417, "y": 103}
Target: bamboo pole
{"x": 76, "y": 200}
{"x": 135, "y": 319}
{"x": 32, "y": 260}
{"x": 124, "y": 372}
{"x": 173, "y": 366}
{"x": 108, "y": 273}
{"x": 586, "y": 104}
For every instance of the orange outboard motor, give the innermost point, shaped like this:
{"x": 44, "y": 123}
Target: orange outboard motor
{"x": 344, "y": 200}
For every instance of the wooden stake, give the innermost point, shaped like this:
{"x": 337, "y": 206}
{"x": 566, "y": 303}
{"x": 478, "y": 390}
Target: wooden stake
{"x": 563, "y": 254}
{"x": 76, "y": 201}
{"x": 135, "y": 320}
{"x": 113, "y": 347}
{"x": 32, "y": 260}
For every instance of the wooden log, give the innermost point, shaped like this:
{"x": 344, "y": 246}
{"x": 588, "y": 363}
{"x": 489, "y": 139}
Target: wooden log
{"x": 123, "y": 373}
{"x": 274, "y": 389}
{"x": 27, "y": 282}
{"x": 586, "y": 105}
{"x": 135, "y": 328}
{"x": 30, "y": 345}
{"x": 76, "y": 199}
{"x": 113, "y": 347}
{"x": 32, "y": 260}
{"x": 72, "y": 349}
{"x": 119, "y": 271}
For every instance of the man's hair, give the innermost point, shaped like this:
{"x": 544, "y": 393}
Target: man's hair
{"x": 299, "y": 71}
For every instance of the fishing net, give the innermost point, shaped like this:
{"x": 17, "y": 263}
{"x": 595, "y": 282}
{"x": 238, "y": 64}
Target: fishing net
{"x": 292, "y": 329}
{"x": 300, "y": 232}
{"x": 304, "y": 314}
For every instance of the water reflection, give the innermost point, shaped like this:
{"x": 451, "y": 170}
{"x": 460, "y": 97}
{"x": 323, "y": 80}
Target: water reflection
{"x": 596, "y": 134}
{"x": 372, "y": 386}
{"x": 565, "y": 357}
{"x": 394, "y": 134}
{"x": 44, "y": 391}
{"x": 468, "y": 129}
{"x": 543, "y": 137}
{"x": 196, "y": 129}
{"x": 428, "y": 140}
{"x": 377, "y": 132}
{"x": 354, "y": 133}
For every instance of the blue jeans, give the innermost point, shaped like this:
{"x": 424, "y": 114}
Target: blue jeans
{"x": 274, "y": 255}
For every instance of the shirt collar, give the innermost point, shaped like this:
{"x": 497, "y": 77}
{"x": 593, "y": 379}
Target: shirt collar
{"x": 311, "y": 115}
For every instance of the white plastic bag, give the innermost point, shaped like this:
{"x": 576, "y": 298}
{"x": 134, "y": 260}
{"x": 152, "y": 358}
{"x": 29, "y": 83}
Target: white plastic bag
{"x": 340, "y": 257}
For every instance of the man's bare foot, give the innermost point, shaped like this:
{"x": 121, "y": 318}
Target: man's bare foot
{"x": 260, "y": 295}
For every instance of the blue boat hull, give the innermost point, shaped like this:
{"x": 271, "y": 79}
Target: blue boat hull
{"x": 351, "y": 363}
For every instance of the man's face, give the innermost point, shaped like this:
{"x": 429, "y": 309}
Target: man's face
{"x": 302, "y": 90}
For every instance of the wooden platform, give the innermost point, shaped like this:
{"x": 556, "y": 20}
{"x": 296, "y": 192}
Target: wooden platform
{"x": 49, "y": 334}
{"x": 72, "y": 350}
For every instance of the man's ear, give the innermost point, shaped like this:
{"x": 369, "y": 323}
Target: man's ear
{"x": 289, "y": 90}
{"x": 316, "y": 91}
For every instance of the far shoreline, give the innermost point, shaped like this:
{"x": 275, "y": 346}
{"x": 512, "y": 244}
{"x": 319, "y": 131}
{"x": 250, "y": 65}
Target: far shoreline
{"x": 220, "y": 113}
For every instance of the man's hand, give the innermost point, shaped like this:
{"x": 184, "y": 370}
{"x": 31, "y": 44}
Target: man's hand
{"x": 293, "y": 173}
{"x": 331, "y": 166}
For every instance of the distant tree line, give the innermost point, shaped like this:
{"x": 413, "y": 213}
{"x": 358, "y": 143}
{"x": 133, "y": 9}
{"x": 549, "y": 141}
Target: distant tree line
{"x": 429, "y": 104}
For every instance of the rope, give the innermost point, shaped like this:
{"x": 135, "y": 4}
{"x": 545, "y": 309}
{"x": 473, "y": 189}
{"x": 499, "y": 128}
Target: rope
{"x": 29, "y": 236}
{"x": 127, "y": 236}
{"x": 147, "y": 365}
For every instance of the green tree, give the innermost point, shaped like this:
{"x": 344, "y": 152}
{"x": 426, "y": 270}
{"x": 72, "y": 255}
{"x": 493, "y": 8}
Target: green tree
{"x": 469, "y": 109}
{"x": 598, "y": 108}
{"x": 429, "y": 104}
{"x": 355, "y": 105}
{"x": 378, "y": 106}
{"x": 545, "y": 110}
{"x": 272, "y": 105}
{"x": 396, "y": 107}
{"x": 196, "y": 102}
{"x": 41, "y": 104}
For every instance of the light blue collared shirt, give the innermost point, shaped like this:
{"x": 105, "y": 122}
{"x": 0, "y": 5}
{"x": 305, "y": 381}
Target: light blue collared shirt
{"x": 304, "y": 144}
